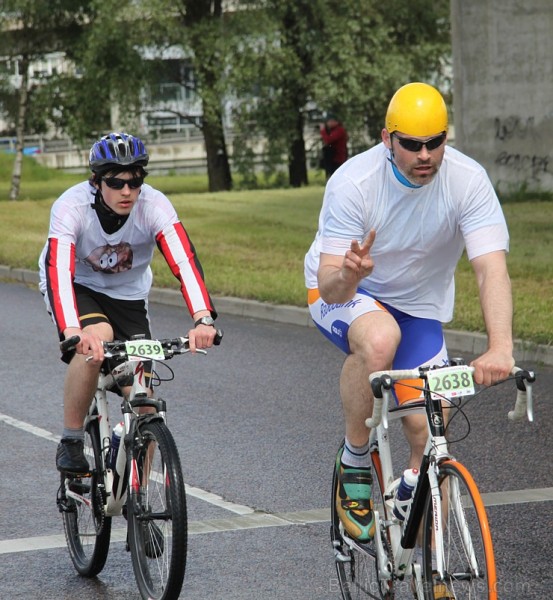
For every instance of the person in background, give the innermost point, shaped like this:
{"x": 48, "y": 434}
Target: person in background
{"x": 335, "y": 144}
{"x": 95, "y": 273}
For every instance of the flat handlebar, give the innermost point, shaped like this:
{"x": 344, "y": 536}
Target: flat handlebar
{"x": 382, "y": 382}
{"x": 116, "y": 349}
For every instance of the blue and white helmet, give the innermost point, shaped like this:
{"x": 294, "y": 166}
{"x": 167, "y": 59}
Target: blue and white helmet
{"x": 117, "y": 149}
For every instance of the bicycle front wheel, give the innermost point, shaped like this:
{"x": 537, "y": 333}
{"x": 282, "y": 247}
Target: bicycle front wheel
{"x": 81, "y": 501}
{"x": 468, "y": 549}
{"x": 157, "y": 517}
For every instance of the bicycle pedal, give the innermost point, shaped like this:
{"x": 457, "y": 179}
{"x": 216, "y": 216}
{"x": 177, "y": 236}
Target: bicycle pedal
{"x": 79, "y": 487}
{"x": 341, "y": 558}
{"x": 64, "y": 508}
{"x": 62, "y": 504}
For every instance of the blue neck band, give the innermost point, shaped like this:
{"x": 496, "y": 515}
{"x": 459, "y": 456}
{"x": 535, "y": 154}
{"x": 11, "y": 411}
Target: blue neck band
{"x": 400, "y": 176}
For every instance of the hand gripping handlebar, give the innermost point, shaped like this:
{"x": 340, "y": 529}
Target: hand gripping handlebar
{"x": 382, "y": 381}
{"x": 71, "y": 343}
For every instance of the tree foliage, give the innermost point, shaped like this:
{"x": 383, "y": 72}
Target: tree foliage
{"x": 282, "y": 63}
{"x": 31, "y": 29}
{"x": 344, "y": 56}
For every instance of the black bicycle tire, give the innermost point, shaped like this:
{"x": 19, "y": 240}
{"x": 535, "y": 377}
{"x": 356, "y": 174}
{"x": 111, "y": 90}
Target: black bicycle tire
{"x": 337, "y": 541}
{"x": 173, "y": 557}
{"x": 89, "y": 563}
{"x": 473, "y": 510}
{"x": 380, "y": 505}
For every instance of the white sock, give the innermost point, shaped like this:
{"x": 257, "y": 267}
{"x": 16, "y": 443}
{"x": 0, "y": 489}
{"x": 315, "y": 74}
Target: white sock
{"x": 354, "y": 456}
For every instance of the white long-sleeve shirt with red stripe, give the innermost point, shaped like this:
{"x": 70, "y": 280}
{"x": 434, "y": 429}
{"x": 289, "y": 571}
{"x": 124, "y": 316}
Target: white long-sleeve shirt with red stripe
{"x": 118, "y": 264}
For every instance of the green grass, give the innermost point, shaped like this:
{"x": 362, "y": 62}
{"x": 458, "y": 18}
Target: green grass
{"x": 40, "y": 183}
{"x": 252, "y": 245}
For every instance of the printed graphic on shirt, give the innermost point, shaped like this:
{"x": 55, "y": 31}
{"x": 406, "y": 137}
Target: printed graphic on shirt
{"x": 111, "y": 259}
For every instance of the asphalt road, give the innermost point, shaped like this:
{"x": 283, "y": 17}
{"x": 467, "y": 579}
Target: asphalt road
{"x": 257, "y": 423}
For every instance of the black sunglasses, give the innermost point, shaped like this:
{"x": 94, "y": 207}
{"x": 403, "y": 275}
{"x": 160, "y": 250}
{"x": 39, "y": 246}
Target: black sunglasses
{"x": 416, "y": 146}
{"x": 116, "y": 183}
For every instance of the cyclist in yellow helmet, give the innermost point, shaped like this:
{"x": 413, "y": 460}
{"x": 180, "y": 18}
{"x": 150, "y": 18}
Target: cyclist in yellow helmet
{"x": 380, "y": 273}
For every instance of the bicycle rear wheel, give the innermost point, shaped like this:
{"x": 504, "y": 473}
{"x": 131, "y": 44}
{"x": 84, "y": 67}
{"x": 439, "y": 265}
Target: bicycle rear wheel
{"x": 356, "y": 565}
{"x": 468, "y": 548}
{"x": 157, "y": 518}
{"x": 81, "y": 502}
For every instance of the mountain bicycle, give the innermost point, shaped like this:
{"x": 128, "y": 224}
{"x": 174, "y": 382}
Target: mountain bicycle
{"x": 443, "y": 538}
{"x": 137, "y": 474}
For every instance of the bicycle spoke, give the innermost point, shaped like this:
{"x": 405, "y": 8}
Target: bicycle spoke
{"x": 81, "y": 502}
{"x": 157, "y": 515}
{"x": 469, "y": 564}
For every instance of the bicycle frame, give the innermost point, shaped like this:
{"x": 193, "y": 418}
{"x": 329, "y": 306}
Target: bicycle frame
{"x": 143, "y": 479}
{"x": 403, "y": 535}
{"x": 116, "y": 479}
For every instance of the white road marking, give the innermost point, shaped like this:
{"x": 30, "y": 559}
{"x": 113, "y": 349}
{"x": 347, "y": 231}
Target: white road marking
{"x": 204, "y": 495}
{"x": 246, "y": 517}
{"x": 28, "y": 428}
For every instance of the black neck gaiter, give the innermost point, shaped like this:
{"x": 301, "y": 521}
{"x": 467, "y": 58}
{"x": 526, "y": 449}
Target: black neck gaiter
{"x": 109, "y": 220}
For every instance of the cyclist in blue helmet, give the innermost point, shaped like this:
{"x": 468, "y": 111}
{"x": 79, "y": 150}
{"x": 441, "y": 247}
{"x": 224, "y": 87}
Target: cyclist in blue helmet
{"x": 95, "y": 272}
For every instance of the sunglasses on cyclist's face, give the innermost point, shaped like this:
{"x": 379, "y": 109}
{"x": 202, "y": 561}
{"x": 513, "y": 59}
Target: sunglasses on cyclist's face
{"x": 416, "y": 146}
{"x": 116, "y": 183}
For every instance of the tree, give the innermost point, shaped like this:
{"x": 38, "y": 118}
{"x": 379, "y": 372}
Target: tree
{"x": 31, "y": 29}
{"x": 125, "y": 54}
{"x": 347, "y": 56}
{"x": 281, "y": 61}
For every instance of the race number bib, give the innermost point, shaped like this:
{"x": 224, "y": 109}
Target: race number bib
{"x": 451, "y": 382}
{"x": 144, "y": 350}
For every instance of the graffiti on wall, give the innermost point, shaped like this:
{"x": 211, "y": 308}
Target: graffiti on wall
{"x": 513, "y": 128}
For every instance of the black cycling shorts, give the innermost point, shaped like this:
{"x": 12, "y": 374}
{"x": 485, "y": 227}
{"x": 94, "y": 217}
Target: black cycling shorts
{"x": 126, "y": 317}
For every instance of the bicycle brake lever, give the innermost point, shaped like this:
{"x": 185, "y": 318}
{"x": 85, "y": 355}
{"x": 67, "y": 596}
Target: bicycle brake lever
{"x": 524, "y": 405}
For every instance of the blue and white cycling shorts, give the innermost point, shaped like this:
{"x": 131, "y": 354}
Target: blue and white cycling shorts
{"x": 422, "y": 340}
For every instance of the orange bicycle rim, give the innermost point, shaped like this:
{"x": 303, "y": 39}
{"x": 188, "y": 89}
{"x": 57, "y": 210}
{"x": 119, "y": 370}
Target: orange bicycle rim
{"x": 484, "y": 525}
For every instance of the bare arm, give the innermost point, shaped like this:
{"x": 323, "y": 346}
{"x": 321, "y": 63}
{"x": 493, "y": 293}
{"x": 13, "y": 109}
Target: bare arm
{"x": 497, "y": 308}
{"x": 338, "y": 277}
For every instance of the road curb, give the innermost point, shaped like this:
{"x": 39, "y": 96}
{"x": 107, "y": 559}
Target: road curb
{"x": 526, "y": 353}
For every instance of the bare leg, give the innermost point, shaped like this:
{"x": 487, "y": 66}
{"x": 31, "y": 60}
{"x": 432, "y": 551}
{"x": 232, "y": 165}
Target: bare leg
{"x": 81, "y": 380}
{"x": 416, "y": 432}
{"x": 373, "y": 339}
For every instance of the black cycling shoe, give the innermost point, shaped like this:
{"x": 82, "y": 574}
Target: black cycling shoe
{"x": 70, "y": 457}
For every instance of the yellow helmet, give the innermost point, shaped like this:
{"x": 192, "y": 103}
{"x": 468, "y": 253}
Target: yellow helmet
{"x": 417, "y": 109}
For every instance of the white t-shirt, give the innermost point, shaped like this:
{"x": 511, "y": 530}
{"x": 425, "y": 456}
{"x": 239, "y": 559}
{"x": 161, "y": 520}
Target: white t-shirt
{"x": 420, "y": 232}
{"x": 116, "y": 264}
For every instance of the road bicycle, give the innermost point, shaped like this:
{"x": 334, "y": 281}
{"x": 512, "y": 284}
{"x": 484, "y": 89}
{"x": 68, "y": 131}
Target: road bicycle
{"x": 138, "y": 477}
{"x": 444, "y": 538}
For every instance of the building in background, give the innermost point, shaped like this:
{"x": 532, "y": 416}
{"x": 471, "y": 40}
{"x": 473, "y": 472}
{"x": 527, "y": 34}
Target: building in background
{"x": 503, "y": 89}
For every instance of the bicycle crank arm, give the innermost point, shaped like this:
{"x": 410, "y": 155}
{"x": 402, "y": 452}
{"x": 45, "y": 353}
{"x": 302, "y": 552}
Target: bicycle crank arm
{"x": 78, "y": 498}
{"x": 338, "y": 556}
{"x": 382, "y": 560}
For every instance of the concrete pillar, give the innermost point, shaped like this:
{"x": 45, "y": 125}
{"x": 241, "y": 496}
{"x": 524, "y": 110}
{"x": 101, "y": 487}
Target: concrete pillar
{"x": 503, "y": 89}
